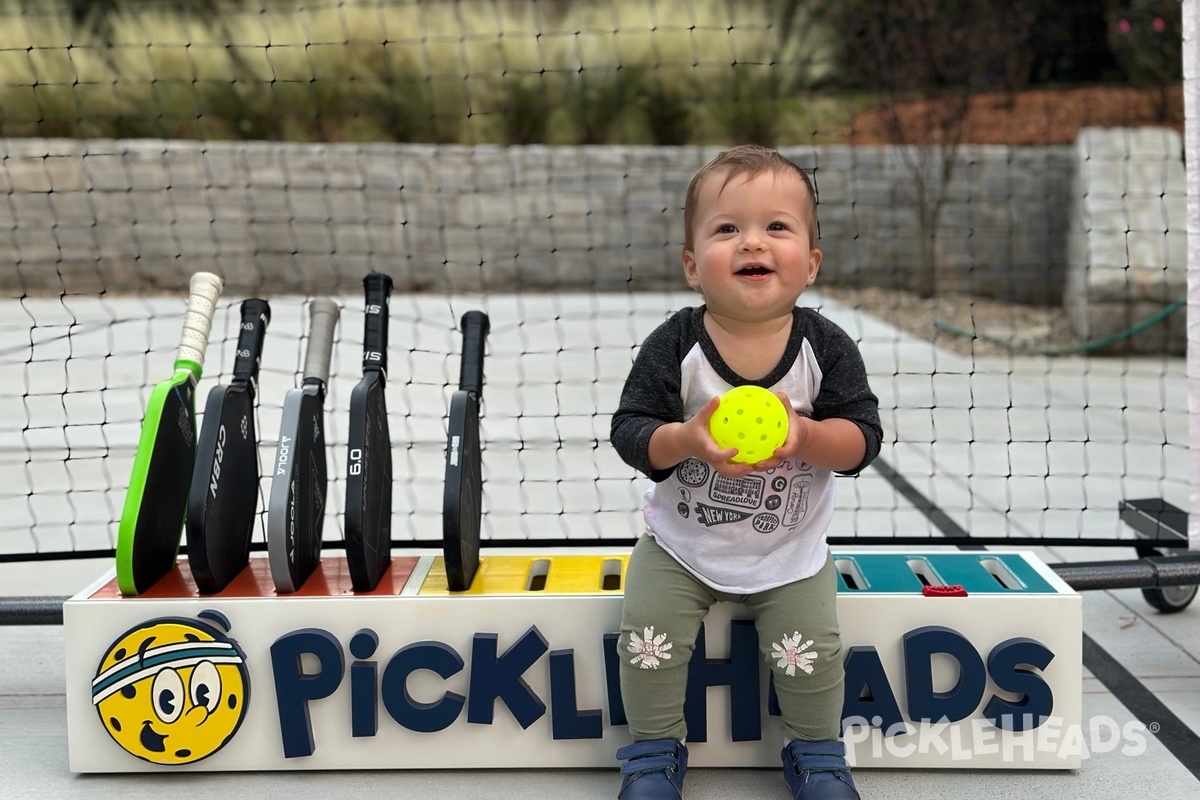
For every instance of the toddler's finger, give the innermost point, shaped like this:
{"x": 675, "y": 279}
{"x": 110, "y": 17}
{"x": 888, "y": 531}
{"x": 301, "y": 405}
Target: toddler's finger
{"x": 708, "y": 409}
{"x": 724, "y": 456}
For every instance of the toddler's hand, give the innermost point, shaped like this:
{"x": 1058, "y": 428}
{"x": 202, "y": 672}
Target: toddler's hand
{"x": 699, "y": 443}
{"x": 795, "y": 436}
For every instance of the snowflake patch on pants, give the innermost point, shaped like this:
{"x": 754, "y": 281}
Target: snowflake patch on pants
{"x": 792, "y": 653}
{"x": 651, "y": 650}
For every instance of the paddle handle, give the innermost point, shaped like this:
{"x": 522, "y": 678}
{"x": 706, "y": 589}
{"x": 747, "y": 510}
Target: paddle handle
{"x": 197, "y": 322}
{"x": 256, "y": 316}
{"x": 378, "y": 288}
{"x": 323, "y": 318}
{"x": 475, "y": 325}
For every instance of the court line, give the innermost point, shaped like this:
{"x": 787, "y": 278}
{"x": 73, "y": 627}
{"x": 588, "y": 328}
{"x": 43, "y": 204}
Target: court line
{"x": 940, "y": 519}
{"x": 1173, "y": 733}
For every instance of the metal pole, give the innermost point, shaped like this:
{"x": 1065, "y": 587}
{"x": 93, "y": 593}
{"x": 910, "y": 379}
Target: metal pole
{"x": 31, "y": 610}
{"x": 1144, "y": 573}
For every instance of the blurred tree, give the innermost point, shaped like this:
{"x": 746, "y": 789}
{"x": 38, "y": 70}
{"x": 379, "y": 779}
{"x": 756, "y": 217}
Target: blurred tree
{"x": 1069, "y": 42}
{"x": 1147, "y": 38}
{"x": 942, "y": 52}
{"x": 97, "y": 13}
{"x": 912, "y": 45}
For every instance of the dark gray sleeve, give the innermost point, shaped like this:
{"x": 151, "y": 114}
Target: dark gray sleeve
{"x": 651, "y": 397}
{"x": 845, "y": 392}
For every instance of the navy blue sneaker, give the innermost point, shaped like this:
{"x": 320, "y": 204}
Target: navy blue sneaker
{"x": 818, "y": 771}
{"x": 653, "y": 770}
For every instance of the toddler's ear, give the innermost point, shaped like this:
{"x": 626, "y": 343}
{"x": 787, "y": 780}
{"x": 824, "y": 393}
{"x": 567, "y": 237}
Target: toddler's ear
{"x": 814, "y": 264}
{"x": 690, "y": 270}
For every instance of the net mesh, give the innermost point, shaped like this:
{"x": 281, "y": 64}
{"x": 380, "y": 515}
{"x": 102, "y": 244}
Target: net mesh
{"x": 1002, "y": 222}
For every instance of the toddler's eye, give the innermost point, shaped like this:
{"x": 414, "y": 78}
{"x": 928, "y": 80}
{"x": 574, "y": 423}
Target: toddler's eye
{"x": 777, "y": 226}
{"x": 727, "y": 228}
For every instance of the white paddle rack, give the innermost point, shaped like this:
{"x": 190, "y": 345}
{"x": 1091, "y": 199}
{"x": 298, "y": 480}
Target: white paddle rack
{"x": 520, "y": 671}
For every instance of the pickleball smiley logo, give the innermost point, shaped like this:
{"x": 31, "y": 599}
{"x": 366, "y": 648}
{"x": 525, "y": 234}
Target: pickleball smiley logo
{"x": 173, "y": 690}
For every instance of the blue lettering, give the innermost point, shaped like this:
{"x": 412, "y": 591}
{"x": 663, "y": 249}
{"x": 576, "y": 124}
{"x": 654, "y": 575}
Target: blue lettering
{"x": 294, "y": 688}
{"x": 868, "y": 693}
{"x": 612, "y": 680}
{"x": 740, "y": 672}
{"x": 364, "y": 707}
{"x": 422, "y": 717}
{"x": 1005, "y": 666}
{"x": 924, "y": 703}
{"x": 1016, "y": 667}
{"x": 566, "y": 721}
{"x": 501, "y": 677}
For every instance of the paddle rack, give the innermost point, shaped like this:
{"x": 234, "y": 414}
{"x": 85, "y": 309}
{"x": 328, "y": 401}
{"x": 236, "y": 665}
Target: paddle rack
{"x": 521, "y": 669}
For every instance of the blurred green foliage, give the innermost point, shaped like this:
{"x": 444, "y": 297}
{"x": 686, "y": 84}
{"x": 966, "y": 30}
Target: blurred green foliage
{"x": 516, "y": 72}
{"x": 1146, "y": 37}
{"x": 470, "y": 71}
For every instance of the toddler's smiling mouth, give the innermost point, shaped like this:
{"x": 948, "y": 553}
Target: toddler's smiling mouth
{"x": 754, "y": 271}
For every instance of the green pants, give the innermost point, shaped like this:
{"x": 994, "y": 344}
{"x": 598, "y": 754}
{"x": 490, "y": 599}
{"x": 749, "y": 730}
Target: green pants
{"x": 797, "y": 634}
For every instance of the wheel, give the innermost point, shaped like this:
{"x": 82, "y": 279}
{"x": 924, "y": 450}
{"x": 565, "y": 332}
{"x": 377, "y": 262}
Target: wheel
{"x": 1171, "y": 599}
{"x": 1167, "y": 599}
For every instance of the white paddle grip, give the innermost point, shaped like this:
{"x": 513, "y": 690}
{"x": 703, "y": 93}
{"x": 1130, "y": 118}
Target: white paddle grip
{"x": 323, "y": 318}
{"x": 202, "y": 304}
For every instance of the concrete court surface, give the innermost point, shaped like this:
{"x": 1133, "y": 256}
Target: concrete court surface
{"x": 962, "y": 433}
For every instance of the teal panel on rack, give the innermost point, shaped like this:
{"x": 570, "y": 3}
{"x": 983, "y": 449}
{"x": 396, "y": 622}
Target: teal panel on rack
{"x": 978, "y": 573}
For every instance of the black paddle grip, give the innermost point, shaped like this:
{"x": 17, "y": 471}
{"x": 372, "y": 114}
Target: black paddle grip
{"x": 475, "y": 325}
{"x": 378, "y": 288}
{"x": 256, "y": 316}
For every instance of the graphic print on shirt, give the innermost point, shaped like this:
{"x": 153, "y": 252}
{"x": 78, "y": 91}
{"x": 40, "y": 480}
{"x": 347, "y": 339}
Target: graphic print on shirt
{"x": 693, "y": 472}
{"x": 797, "y": 499}
{"x": 736, "y": 499}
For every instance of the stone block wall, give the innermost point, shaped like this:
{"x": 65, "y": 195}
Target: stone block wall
{"x": 1099, "y": 226}
{"x": 1127, "y": 239}
{"x": 141, "y": 215}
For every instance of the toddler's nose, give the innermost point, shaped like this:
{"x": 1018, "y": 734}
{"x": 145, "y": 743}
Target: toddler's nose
{"x": 752, "y": 240}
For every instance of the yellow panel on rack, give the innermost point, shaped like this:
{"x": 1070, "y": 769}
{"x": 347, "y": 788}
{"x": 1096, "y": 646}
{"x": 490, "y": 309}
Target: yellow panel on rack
{"x": 533, "y": 575}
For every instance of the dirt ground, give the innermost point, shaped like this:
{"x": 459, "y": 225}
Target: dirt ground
{"x": 1034, "y": 117}
{"x": 998, "y": 328}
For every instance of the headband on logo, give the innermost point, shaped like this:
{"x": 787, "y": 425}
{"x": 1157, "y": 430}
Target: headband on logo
{"x": 140, "y": 665}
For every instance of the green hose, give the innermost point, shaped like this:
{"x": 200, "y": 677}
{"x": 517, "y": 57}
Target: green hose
{"x": 1086, "y": 347}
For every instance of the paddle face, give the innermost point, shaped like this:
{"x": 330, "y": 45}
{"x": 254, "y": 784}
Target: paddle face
{"x": 368, "y": 485}
{"x": 152, "y": 518}
{"x": 369, "y": 463}
{"x": 462, "y": 500}
{"x": 296, "y": 511}
{"x": 224, "y": 492}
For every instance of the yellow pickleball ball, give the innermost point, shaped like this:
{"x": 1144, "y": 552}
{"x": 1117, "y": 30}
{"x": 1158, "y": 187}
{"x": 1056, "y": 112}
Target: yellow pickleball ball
{"x": 753, "y": 420}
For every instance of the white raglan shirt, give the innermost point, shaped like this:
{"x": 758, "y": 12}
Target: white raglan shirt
{"x": 767, "y": 529}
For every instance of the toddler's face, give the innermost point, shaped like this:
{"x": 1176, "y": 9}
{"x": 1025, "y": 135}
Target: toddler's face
{"x": 752, "y": 255}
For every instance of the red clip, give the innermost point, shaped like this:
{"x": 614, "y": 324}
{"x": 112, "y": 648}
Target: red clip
{"x": 944, "y": 591}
